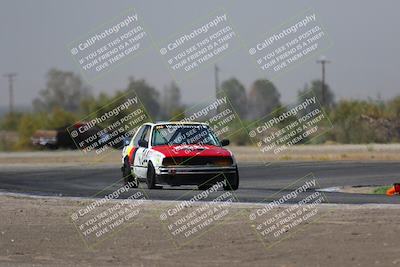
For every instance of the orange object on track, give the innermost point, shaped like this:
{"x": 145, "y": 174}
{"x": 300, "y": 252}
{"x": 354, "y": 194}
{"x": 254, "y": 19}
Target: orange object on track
{"x": 391, "y": 191}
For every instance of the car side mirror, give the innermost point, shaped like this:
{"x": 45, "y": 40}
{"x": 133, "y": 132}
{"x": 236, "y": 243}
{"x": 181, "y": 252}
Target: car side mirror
{"x": 143, "y": 143}
{"x": 225, "y": 142}
{"x": 127, "y": 141}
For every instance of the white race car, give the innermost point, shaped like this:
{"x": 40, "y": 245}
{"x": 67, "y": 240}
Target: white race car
{"x": 177, "y": 153}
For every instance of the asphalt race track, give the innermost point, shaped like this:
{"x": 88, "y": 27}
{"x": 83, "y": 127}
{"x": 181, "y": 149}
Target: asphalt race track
{"x": 258, "y": 183}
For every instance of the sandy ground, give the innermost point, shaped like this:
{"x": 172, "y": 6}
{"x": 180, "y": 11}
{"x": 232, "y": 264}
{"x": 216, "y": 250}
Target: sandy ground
{"x": 39, "y": 232}
{"x": 358, "y": 189}
{"x": 243, "y": 154}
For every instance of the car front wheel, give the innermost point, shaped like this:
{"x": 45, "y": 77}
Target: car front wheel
{"x": 151, "y": 177}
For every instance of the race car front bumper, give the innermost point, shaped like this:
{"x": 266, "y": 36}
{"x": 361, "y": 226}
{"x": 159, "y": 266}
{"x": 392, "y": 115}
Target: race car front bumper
{"x": 184, "y": 170}
{"x": 193, "y": 175}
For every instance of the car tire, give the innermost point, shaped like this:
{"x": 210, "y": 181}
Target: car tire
{"x": 127, "y": 175}
{"x": 151, "y": 177}
{"x": 232, "y": 181}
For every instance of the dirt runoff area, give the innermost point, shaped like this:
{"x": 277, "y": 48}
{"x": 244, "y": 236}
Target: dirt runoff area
{"x": 40, "y": 232}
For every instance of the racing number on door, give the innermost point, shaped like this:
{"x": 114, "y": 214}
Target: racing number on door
{"x": 143, "y": 159}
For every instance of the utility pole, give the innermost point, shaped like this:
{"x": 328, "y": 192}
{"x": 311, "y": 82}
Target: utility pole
{"x": 10, "y": 77}
{"x": 323, "y": 61}
{"x": 216, "y": 70}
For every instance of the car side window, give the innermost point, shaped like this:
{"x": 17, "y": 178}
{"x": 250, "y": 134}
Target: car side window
{"x": 138, "y": 136}
{"x": 146, "y": 134}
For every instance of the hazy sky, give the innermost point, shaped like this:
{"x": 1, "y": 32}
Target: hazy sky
{"x": 365, "y": 36}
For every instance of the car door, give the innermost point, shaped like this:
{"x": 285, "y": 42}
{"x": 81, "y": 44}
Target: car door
{"x": 140, "y": 159}
{"x": 130, "y": 150}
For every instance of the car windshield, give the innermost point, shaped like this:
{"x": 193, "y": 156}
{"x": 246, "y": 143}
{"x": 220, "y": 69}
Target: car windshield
{"x": 178, "y": 134}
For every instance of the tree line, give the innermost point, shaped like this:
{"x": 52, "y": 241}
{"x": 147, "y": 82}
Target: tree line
{"x": 66, "y": 99}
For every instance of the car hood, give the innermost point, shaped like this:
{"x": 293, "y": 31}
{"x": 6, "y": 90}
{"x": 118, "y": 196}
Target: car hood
{"x": 192, "y": 150}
